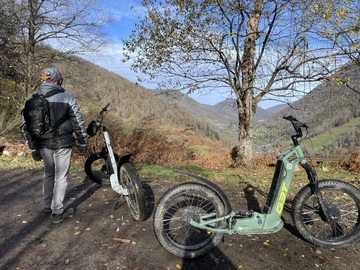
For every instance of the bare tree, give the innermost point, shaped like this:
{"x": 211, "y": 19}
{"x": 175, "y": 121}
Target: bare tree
{"x": 69, "y": 26}
{"x": 339, "y": 23}
{"x": 255, "y": 49}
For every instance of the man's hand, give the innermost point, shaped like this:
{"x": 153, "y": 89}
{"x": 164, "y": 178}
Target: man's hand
{"x": 36, "y": 155}
{"x": 82, "y": 150}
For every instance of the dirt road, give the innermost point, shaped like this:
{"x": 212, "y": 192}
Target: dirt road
{"x": 103, "y": 235}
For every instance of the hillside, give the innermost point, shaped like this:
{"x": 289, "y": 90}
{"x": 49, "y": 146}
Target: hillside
{"x": 132, "y": 106}
{"x": 223, "y": 122}
{"x": 143, "y": 120}
{"x": 139, "y": 121}
{"x": 135, "y": 106}
{"x": 328, "y": 107}
{"x": 222, "y": 116}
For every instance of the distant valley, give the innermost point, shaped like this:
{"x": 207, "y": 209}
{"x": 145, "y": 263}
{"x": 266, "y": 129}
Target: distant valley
{"x": 327, "y": 106}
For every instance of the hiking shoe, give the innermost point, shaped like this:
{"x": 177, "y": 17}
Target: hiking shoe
{"x": 47, "y": 210}
{"x": 67, "y": 213}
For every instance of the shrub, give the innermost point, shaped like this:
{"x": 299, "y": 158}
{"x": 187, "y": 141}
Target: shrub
{"x": 351, "y": 162}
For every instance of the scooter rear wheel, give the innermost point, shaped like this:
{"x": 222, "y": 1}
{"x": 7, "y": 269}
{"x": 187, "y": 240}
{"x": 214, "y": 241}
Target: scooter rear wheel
{"x": 175, "y": 210}
{"x": 98, "y": 167}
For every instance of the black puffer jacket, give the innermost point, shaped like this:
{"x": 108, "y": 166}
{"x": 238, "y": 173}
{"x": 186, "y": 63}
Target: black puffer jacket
{"x": 66, "y": 113}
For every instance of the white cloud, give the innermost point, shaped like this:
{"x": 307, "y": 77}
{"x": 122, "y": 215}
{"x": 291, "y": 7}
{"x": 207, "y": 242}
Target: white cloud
{"x": 111, "y": 58}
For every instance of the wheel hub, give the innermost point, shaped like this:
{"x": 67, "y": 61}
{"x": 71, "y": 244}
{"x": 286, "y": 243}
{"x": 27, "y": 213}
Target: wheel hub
{"x": 189, "y": 215}
{"x": 333, "y": 213}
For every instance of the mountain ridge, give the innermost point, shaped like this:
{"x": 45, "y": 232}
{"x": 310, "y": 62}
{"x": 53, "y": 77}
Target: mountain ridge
{"x": 329, "y": 104}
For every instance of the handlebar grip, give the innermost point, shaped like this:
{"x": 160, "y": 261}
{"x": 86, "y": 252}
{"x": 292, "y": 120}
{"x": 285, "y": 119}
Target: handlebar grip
{"x": 105, "y": 108}
{"x": 295, "y": 122}
{"x": 290, "y": 118}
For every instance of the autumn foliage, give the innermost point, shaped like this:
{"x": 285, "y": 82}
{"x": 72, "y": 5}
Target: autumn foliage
{"x": 351, "y": 162}
{"x": 150, "y": 146}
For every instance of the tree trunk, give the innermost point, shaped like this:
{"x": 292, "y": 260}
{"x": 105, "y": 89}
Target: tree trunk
{"x": 245, "y": 114}
{"x": 245, "y": 93}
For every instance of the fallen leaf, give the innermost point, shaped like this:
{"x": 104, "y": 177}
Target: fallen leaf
{"x": 122, "y": 240}
{"x": 87, "y": 229}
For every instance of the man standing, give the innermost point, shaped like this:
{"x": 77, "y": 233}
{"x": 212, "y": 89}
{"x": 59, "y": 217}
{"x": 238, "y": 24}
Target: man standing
{"x": 55, "y": 145}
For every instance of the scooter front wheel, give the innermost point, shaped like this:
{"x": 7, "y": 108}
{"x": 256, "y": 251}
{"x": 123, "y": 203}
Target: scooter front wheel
{"x": 341, "y": 225}
{"x": 98, "y": 167}
{"x": 175, "y": 210}
{"x": 136, "y": 195}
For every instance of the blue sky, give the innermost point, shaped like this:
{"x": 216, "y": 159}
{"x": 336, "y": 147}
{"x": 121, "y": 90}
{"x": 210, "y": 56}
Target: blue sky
{"x": 122, "y": 16}
{"x": 121, "y": 19}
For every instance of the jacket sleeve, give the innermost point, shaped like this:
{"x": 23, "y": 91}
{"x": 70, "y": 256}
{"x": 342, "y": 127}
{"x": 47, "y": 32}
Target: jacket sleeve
{"x": 77, "y": 123}
{"x": 28, "y": 139}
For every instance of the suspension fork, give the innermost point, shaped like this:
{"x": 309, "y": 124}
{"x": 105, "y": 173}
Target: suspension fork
{"x": 314, "y": 185}
{"x": 312, "y": 176}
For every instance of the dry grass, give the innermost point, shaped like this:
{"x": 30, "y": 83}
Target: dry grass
{"x": 351, "y": 162}
{"x": 148, "y": 146}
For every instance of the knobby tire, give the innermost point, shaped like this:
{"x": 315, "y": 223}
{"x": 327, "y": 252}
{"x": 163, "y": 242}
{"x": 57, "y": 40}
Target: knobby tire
{"x": 342, "y": 201}
{"x": 136, "y": 195}
{"x": 176, "y": 208}
{"x": 98, "y": 167}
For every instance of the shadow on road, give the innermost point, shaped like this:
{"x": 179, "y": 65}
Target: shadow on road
{"x": 213, "y": 260}
{"x": 21, "y": 199}
{"x": 87, "y": 185}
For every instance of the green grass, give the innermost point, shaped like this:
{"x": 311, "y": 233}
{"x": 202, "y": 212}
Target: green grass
{"x": 328, "y": 137}
{"x": 27, "y": 163}
{"x": 325, "y": 139}
{"x": 12, "y": 163}
{"x": 260, "y": 177}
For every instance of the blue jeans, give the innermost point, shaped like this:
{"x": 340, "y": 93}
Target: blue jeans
{"x": 56, "y": 172}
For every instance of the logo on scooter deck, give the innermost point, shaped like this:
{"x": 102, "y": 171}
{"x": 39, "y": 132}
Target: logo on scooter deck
{"x": 282, "y": 198}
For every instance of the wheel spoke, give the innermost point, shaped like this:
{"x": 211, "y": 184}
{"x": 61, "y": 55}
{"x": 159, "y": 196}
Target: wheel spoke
{"x": 342, "y": 218}
{"x": 135, "y": 197}
{"x": 175, "y": 221}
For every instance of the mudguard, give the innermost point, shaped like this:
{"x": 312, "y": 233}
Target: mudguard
{"x": 124, "y": 159}
{"x": 212, "y": 186}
